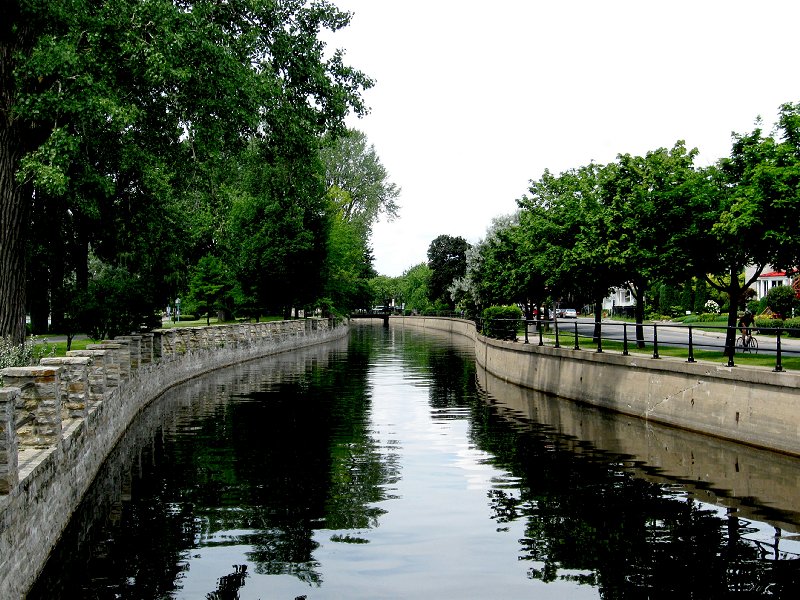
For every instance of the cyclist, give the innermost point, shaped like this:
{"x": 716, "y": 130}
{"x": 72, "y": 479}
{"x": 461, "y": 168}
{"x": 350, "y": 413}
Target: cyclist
{"x": 746, "y": 327}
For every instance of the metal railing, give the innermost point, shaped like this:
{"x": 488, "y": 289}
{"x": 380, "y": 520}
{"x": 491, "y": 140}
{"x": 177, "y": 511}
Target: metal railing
{"x": 592, "y": 334}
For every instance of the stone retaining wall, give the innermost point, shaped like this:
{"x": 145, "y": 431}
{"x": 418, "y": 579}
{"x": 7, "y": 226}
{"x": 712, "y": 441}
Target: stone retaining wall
{"x": 59, "y": 420}
{"x": 751, "y": 405}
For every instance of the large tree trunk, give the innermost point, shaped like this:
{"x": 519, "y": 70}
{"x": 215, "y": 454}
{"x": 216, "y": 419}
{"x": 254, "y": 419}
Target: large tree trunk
{"x": 13, "y": 217}
{"x": 598, "y": 318}
{"x": 638, "y": 311}
{"x": 17, "y": 32}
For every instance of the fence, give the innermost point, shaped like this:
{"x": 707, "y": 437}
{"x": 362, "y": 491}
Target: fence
{"x": 585, "y": 334}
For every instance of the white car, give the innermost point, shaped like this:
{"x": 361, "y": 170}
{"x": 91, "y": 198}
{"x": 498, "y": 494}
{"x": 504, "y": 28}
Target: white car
{"x": 569, "y": 313}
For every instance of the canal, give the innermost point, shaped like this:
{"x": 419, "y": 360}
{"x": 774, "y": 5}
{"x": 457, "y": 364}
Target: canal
{"x": 388, "y": 466}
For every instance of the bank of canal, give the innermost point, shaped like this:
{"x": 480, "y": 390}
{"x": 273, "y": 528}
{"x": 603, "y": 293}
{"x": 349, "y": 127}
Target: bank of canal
{"x": 380, "y": 467}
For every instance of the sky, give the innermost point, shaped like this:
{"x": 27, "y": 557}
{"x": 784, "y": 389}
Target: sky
{"x": 474, "y": 100}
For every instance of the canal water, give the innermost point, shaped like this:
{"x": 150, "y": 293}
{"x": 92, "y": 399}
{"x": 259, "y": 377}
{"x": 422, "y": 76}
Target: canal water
{"x": 389, "y": 466}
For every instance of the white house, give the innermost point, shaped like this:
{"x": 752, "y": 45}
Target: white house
{"x": 768, "y": 279}
{"x": 620, "y": 301}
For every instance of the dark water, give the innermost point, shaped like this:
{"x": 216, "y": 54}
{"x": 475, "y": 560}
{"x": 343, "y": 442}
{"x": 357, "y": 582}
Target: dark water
{"x": 382, "y": 468}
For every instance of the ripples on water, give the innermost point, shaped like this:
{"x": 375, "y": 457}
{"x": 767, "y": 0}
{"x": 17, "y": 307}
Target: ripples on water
{"x": 380, "y": 469}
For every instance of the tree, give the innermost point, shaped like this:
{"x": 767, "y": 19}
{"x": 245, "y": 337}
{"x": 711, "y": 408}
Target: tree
{"x": 114, "y": 303}
{"x": 485, "y": 277}
{"x": 277, "y": 233}
{"x": 747, "y": 209}
{"x": 348, "y": 268}
{"x": 568, "y": 224}
{"x": 648, "y": 199}
{"x": 447, "y": 260}
{"x": 415, "y": 288}
{"x": 782, "y": 300}
{"x": 210, "y": 287}
{"x": 103, "y": 104}
{"x": 359, "y": 192}
{"x": 353, "y": 167}
{"x": 383, "y": 289}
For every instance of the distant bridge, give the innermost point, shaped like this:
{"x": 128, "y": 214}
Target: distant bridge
{"x": 372, "y": 315}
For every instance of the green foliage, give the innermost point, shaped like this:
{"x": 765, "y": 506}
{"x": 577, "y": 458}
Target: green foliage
{"x": 766, "y": 323}
{"x": 210, "y": 288}
{"x": 383, "y": 288}
{"x": 706, "y": 318}
{"x": 782, "y": 301}
{"x": 447, "y": 259}
{"x": 501, "y": 322}
{"x": 22, "y": 355}
{"x": 700, "y": 296}
{"x": 357, "y": 182}
{"x": 792, "y": 326}
{"x": 135, "y": 150}
{"x": 414, "y": 288}
{"x": 115, "y": 303}
{"x": 277, "y": 233}
{"x": 348, "y": 268}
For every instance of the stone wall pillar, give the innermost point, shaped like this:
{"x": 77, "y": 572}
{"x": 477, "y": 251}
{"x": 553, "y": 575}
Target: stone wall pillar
{"x": 38, "y": 408}
{"x": 147, "y": 348}
{"x": 98, "y": 370}
{"x": 74, "y": 384}
{"x": 111, "y": 362}
{"x": 9, "y": 460}
{"x": 134, "y": 347}
{"x": 123, "y": 352}
{"x": 169, "y": 341}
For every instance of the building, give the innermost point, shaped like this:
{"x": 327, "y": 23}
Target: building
{"x": 619, "y": 302}
{"x": 769, "y": 279}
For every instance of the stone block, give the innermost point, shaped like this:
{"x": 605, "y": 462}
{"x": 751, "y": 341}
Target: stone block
{"x": 9, "y": 465}
{"x": 74, "y": 384}
{"x": 96, "y": 371}
{"x": 40, "y": 403}
{"x": 114, "y": 367}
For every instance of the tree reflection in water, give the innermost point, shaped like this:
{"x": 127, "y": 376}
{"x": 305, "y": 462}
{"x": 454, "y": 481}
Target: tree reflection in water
{"x": 260, "y": 459}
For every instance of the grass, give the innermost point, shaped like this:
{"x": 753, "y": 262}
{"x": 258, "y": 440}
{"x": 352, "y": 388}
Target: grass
{"x": 59, "y": 348}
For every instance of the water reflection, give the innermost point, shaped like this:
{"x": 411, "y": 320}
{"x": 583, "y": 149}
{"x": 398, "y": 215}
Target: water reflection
{"x": 670, "y": 511}
{"x": 388, "y": 467}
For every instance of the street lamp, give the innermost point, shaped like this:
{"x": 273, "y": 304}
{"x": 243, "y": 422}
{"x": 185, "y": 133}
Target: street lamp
{"x": 178, "y": 309}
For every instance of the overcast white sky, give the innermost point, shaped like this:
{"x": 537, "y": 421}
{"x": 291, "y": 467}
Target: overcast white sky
{"x": 474, "y": 99}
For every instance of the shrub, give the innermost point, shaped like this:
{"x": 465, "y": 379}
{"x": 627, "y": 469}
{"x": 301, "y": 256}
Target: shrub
{"x": 22, "y": 355}
{"x": 781, "y": 300}
{"x": 792, "y": 327}
{"x": 761, "y": 323}
{"x": 501, "y": 322}
{"x": 712, "y": 318}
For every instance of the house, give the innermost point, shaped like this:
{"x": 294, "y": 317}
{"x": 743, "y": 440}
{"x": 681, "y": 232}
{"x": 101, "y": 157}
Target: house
{"x": 619, "y": 302}
{"x": 768, "y": 279}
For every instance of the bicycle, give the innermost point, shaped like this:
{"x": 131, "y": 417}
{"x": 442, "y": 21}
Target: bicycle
{"x": 747, "y": 344}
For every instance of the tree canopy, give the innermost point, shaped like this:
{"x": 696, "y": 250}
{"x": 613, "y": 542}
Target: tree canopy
{"x": 646, "y": 222}
{"x": 130, "y": 128}
{"x": 447, "y": 259}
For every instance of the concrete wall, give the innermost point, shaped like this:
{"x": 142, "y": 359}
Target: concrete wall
{"x": 754, "y": 406}
{"x": 758, "y": 484}
{"x": 59, "y": 422}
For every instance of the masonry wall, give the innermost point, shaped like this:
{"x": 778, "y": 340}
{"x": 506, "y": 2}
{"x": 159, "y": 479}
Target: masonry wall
{"x": 755, "y": 406}
{"x": 59, "y": 421}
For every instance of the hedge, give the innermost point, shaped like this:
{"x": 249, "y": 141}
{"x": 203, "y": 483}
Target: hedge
{"x": 501, "y": 322}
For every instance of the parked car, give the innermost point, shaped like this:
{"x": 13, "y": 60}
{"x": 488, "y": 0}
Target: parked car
{"x": 569, "y": 313}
